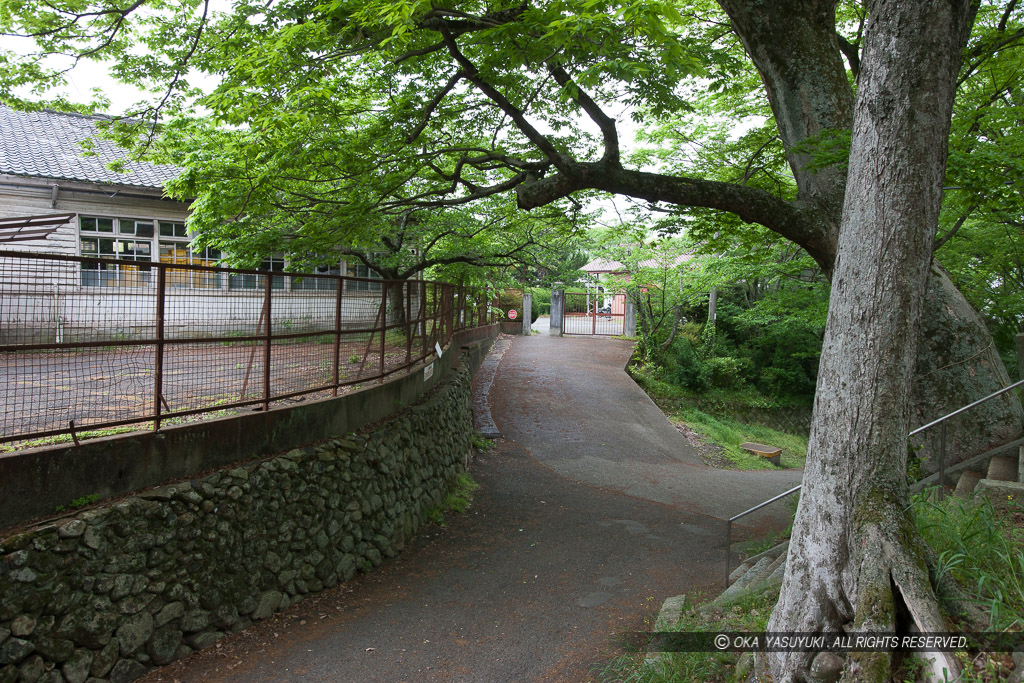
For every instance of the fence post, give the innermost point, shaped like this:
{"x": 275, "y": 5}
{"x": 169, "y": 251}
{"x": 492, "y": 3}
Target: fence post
{"x": 268, "y": 285}
{"x": 408, "y": 321}
{"x": 337, "y": 335}
{"x": 557, "y": 312}
{"x": 383, "y": 325}
{"x": 423, "y": 314}
{"x": 449, "y": 318}
{"x": 158, "y": 361}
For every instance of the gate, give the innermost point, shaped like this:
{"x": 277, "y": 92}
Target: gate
{"x": 589, "y": 313}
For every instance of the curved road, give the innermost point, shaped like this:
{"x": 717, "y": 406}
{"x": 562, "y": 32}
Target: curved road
{"x": 590, "y": 512}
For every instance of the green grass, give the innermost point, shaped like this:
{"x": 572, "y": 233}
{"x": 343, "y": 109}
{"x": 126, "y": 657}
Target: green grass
{"x": 713, "y": 422}
{"x": 481, "y": 443}
{"x": 79, "y": 502}
{"x": 979, "y": 546}
{"x": 66, "y": 438}
{"x": 141, "y": 426}
{"x": 982, "y": 548}
{"x": 748, "y": 614}
{"x": 458, "y": 499}
{"x": 729, "y": 434}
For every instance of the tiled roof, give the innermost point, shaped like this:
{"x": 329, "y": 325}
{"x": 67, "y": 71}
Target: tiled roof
{"x": 44, "y": 144}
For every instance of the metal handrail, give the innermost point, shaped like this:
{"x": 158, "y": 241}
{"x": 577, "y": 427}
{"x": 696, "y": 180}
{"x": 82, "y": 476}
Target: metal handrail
{"x": 728, "y": 528}
{"x": 942, "y": 467}
{"x": 967, "y": 407}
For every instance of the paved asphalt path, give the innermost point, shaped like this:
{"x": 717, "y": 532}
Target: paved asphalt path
{"x": 580, "y": 528}
{"x": 569, "y": 402}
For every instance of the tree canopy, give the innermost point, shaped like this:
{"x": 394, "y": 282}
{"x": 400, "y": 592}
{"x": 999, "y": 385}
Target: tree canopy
{"x": 351, "y": 118}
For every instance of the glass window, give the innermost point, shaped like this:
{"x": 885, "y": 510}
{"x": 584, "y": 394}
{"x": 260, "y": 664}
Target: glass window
{"x": 320, "y": 284}
{"x": 182, "y": 252}
{"x": 132, "y": 273}
{"x": 362, "y": 271}
{"x": 169, "y": 229}
{"x": 94, "y": 224}
{"x": 274, "y": 264}
{"x": 130, "y": 226}
{"x": 176, "y": 252}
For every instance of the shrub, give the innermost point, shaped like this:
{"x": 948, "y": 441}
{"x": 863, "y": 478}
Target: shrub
{"x": 727, "y": 372}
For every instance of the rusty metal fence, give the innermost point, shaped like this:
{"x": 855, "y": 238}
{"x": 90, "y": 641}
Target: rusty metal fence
{"x": 89, "y": 344}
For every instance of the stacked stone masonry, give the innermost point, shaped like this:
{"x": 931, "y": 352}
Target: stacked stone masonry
{"x": 112, "y": 592}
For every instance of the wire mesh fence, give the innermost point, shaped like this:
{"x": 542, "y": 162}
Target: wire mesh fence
{"x": 90, "y": 343}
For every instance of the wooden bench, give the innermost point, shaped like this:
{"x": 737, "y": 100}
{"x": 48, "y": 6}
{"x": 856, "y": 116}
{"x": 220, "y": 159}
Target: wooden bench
{"x": 773, "y": 454}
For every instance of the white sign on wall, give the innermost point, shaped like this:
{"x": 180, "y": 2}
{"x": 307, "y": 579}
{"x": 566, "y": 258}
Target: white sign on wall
{"x": 428, "y": 371}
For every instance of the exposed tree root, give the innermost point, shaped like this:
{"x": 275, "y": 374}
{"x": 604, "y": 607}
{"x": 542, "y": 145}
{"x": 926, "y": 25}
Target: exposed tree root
{"x": 885, "y": 586}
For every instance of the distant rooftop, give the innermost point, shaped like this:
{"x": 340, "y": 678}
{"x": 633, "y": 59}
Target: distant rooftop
{"x": 44, "y": 144}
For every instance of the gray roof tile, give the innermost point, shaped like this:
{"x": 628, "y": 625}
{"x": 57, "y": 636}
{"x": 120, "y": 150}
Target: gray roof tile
{"x": 45, "y": 144}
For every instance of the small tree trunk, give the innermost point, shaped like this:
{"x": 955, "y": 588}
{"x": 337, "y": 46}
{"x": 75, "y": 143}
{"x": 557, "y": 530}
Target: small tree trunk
{"x": 855, "y": 558}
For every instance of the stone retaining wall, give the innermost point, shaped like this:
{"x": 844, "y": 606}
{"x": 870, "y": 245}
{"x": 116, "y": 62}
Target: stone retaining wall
{"x": 111, "y": 592}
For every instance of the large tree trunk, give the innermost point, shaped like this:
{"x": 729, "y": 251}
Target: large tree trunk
{"x": 855, "y": 559}
{"x": 795, "y": 51}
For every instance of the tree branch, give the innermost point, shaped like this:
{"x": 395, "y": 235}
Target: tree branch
{"x": 852, "y": 54}
{"x": 559, "y": 160}
{"x": 604, "y": 122}
{"x": 956, "y": 227}
{"x": 798, "y": 221}
{"x": 432, "y": 105}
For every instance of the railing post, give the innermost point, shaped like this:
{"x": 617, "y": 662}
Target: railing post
{"x": 942, "y": 458}
{"x": 337, "y": 335}
{"x": 449, "y": 318}
{"x": 728, "y": 550}
{"x": 433, "y": 327}
{"x": 158, "y": 361}
{"x": 267, "y": 294}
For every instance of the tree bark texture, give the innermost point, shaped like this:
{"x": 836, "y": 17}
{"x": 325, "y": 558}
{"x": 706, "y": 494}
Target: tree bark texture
{"x": 855, "y": 560}
{"x": 794, "y": 48}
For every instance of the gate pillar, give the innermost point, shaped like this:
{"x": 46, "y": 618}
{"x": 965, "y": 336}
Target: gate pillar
{"x": 527, "y": 313}
{"x": 557, "y": 311}
{"x": 629, "y": 328}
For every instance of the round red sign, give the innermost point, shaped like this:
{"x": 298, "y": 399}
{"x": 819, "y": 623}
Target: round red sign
{"x": 512, "y": 314}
